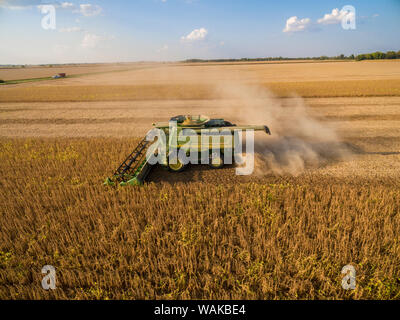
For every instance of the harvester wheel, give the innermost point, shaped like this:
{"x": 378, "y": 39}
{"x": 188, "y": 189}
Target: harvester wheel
{"x": 176, "y": 167}
{"x": 216, "y": 160}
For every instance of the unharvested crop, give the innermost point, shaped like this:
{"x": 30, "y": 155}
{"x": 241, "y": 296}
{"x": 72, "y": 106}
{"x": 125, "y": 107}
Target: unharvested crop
{"x": 285, "y": 238}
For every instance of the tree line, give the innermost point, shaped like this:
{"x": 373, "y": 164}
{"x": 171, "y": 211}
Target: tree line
{"x": 365, "y": 56}
{"x": 379, "y": 55}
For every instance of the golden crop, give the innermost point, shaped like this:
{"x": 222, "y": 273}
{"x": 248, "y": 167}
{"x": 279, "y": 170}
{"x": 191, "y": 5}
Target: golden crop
{"x": 276, "y": 238}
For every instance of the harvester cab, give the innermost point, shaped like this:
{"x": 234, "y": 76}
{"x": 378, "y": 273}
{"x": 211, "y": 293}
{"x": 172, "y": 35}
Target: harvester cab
{"x": 136, "y": 167}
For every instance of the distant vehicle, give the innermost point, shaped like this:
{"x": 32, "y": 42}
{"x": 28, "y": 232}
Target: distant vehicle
{"x": 60, "y": 75}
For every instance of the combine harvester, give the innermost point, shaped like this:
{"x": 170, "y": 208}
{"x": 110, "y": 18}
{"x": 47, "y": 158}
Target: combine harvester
{"x": 134, "y": 170}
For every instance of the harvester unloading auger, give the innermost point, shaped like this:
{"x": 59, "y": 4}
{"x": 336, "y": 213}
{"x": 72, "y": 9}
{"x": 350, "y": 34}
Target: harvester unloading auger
{"x": 136, "y": 167}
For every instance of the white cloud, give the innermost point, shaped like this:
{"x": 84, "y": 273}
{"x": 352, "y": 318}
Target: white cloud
{"x": 89, "y": 10}
{"x": 17, "y": 4}
{"x": 71, "y": 29}
{"x": 293, "y": 24}
{"x": 29, "y": 4}
{"x": 196, "y": 34}
{"x": 336, "y": 16}
{"x": 18, "y": 7}
{"x": 90, "y": 41}
{"x": 67, "y": 5}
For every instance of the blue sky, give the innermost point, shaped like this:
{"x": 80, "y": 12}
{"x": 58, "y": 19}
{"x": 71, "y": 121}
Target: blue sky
{"x": 135, "y": 30}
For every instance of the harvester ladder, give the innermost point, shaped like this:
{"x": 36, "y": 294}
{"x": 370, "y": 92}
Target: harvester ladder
{"x": 134, "y": 161}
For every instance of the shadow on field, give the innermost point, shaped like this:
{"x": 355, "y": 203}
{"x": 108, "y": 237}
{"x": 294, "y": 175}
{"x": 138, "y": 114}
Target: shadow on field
{"x": 278, "y": 158}
{"x": 193, "y": 173}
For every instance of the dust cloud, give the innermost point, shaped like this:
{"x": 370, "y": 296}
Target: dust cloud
{"x": 298, "y": 142}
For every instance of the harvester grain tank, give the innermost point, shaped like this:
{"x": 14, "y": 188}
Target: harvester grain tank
{"x": 136, "y": 167}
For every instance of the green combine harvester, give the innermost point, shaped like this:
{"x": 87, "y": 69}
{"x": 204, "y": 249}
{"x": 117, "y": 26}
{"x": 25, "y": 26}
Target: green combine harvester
{"x": 136, "y": 167}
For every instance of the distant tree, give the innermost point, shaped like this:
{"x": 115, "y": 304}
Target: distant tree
{"x": 352, "y": 57}
{"x": 391, "y": 55}
{"x": 361, "y": 57}
{"x": 378, "y": 55}
{"x": 2, "y": 81}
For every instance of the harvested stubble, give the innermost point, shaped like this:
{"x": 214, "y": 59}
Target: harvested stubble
{"x": 285, "y": 238}
{"x": 306, "y": 89}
